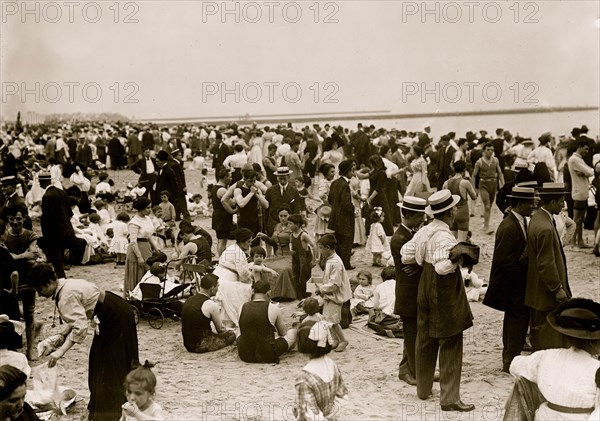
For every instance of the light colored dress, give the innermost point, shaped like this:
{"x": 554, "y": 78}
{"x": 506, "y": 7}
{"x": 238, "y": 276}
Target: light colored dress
{"x": 154, "y": 411}
{"x": 133, "y": 269}
{"x": 334, "y": 157}
{"x": 255, "y": 156}
{"x": 235, "y": 282}
{"x": 565, "y": 377}
{"x": 360, "y": 237}
{"x": 375, "y": 244}
{"x": 320, "y": 223}
{"x": 419, "y": 181}
{"x": 119, "y": 242}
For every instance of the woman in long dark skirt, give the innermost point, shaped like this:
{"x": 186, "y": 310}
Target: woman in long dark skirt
{"x": 378, "y": 196}
{"x": 114, "y": 350}
{"x": 302, "y": 258}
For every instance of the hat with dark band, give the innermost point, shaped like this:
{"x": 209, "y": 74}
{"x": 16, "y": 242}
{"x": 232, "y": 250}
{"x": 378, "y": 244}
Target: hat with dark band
{"x": 530, "y": 184}
{"x": 9, "y": 180}
{"x": 578, "y": 318}
{"x": 414, "y": 204}
{"x": 282, "y": 171}
{"x": 553, "y": 189}
{"x": 441, "y": 201}
{"x": 522, "y": 193}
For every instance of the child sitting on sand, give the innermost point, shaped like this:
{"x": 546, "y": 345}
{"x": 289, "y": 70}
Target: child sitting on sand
{"x": 320, "y": 382}
{"x": 196, "y": 207}
{"x": 362, "y": 299}
{"x": 258, "y": 269}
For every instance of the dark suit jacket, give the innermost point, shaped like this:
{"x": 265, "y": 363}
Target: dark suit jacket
{"x": 342, "y": 210}
{"x": 273, "y": 196}
{"x": 547, "y": 269}
{"x": 508, "y": 275}
{"x": 177, "y": 168}
{"x": 444, "y": 165}
{"x": 407, "y": 287}
{"x": 147, "y": 141}
{"x": 165, "y": 180}
{"x": 147, "y": 180}
{"x": 362, "y": 147}
{"x": 134, "y": 145}
{"x": 56, "y": 216}
{"x": 220, "y": 152}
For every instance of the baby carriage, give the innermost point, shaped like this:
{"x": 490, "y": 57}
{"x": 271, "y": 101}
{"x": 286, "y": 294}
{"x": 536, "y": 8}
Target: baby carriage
{"x": 156, "y": 301}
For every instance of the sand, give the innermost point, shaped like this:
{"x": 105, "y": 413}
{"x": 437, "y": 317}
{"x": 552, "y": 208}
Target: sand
{"x": 218, "y": 386}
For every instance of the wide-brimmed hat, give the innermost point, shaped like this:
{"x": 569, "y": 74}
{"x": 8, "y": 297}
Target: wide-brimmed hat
{"x": 521, "y": 165}
{"x": 282, "y": 171}
{"x": 522, "y": 193}
{"x": 324, "y": 211}
{"x": 553, "y": 189}
{"x": 530, "y": 184}
{"x": 577, "y": 317}
{"x": 527, "y": 142}
{"x": 412, "y": 203}
{"x": 9, "y": 338}
{"x": 441, "y": 201}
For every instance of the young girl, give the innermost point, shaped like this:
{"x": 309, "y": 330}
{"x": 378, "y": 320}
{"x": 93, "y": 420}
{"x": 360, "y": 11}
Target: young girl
{"x": 100, "y": 206}
{"x": 312, "y": 309}
{"x": 196, "y": 207}
{"x": 303, "y": 250}
{"x": 302, "y": 184}
{"x": 140, "y": 386}
{"x": 320, "y": 381}
{"x": 363, "y": 293}
{"x": 168, "y": 209}
{"x": 96, "y": 228}
{"x": 258, "y": 269}
{"x": 119, "y": 241}
{"x": 103, "y": 185}
{"x": 377, "y": 243}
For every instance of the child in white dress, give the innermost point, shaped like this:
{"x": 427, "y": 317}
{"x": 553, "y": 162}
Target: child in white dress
{"x": 362, "y": 297}
{"x": 140, "y": 385}
{"x": 119, "y": 241}
{"x": 377, "y": 243}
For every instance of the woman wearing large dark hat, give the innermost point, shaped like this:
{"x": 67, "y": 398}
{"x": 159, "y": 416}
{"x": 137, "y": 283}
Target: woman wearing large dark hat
{"x": 566, "y": 378}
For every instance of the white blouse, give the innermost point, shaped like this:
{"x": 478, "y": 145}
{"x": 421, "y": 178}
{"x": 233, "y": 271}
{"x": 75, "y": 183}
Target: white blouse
{"x": 565, "y": 377}
{"x": 140, "y": 227}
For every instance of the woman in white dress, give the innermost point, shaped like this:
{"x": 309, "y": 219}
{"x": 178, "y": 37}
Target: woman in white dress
{"x": 255, "y": 156}
{"x": 328, "y": 171}
{"x": 419, "y": 181}
{"x": 567, "y": 378}
{"x": 235, "y": 277}
{"x": 332, "y": 153}
{"x": 141, "y": 244}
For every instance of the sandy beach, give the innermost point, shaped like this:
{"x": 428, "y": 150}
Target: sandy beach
{"x": 218, "y": 386}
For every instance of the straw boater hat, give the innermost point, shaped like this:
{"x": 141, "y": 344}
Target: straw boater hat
{"x": 522, "y": 193}
{"x": 9, "y": 180}
{"x": 282, "y": 171}
{"x": 324, "y": 211}
{"x": 530, "y": 184}
{"x": 578, "y": 318}
{"x": 441, "y": 201}
{"x": 553, "y": 189}
{"x": 528, "y": 142}
{"x": 411, "y": 203}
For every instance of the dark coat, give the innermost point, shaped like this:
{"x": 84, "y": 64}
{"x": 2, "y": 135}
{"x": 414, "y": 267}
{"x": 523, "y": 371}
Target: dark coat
{"x": 508, "y": 275}
{"x": 273, "y": 196}
{"x": 147, "y": 141}
{"x": 134, "y": 145}
{"x": 177, "y": 168}
{"x": 361, "y": 143}
{"x": 56, "y": 217}
{"x": 547, "y": 269}
{"x": 220, "y": 152}
{"x": 342, "y": 210}
{"x": 166, "y": 180}
{"x": 407, "y": 287}
{"x": 445, "y": 158}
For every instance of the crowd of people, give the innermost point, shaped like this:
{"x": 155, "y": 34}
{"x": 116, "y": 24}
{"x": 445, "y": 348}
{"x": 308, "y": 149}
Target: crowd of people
{"x": 292, "y": 200}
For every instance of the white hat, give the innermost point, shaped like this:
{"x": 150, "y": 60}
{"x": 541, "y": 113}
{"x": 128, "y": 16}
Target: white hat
{"x": 412, "y": 203}
{"x": 441, "y": 201}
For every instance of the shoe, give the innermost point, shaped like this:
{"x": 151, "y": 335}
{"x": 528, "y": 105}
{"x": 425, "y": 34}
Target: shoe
{"x": 351, "y": 268}
{"x": 408, "y": 378}
{"x": 436, "y": 377}
{"x": 583, "y": 246}
{"x": 342, "y": 345}
{"x": 458, "y": 406}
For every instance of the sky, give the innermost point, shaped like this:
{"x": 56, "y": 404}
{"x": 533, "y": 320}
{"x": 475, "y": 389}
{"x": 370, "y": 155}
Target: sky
{"x": 159, "y": 59}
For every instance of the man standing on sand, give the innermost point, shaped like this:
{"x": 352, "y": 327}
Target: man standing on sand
{"x": 407, "y": 283}
{"x": 491, "y": 177}
{"x": 508, "y": 277}
{"x": 580, "y": 186}
{"x": 547, "y": 281}
{"x": 342, "y": 211}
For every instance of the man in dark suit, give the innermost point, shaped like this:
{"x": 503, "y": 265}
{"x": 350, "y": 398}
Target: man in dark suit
{"x": 146, "y": 168}
{"x": 220, "y": 151}
{"x": 278, "y": 194}
{"x": 57, "y": 230}
{"x": 342, "y": 211}
{"x": 134, "y": 148}
{"x": 176, "y": 164}
{"x": 361, "y": 143}
{"x": 445, "y": 158}
{"x": 165, "y": 178}
{"x": 147, "y": 139}
{"x": 407, "y": 283}
{"x": 508, "y": 276}
{"x": 547, "y": 281}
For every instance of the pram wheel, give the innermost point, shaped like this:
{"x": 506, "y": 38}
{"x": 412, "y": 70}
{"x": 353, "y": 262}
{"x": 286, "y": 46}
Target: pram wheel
{"x": 136, "y": 314}
{"x": 156, "y": 319}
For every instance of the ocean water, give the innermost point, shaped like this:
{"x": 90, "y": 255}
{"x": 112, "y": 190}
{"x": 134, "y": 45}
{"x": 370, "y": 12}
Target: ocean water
{"x": 526, "y": 125}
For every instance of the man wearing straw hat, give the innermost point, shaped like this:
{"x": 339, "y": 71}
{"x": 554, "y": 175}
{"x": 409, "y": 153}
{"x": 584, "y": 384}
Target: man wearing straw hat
{"x": 547, "y": 281}
{"x": 407, "y": 283}
{"x": 506, "y": 291}
{"x": 443, "y": 312}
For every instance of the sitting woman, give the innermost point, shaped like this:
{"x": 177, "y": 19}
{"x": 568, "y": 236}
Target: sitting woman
{"x": 566, "y": 379}
{"x": 280, "y": 240}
